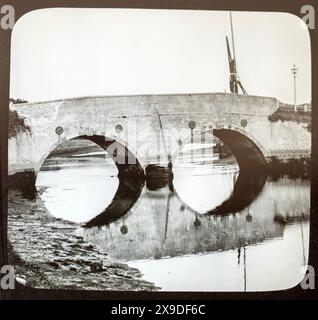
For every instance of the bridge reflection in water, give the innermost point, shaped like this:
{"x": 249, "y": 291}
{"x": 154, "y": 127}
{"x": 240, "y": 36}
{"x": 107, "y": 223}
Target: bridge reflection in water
{"x": 193, "y": 215}
{"x": 161, "y": 225}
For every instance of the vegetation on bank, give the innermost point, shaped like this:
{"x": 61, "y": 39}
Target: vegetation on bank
{"x": 288, "y": 114}
{"x": 17, "y": 123}
{"x": 17, "y": 101}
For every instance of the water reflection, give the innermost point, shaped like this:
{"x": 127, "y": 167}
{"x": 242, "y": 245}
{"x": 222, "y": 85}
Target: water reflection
{"x": 160, "y": 225}
{"x": 76, "y": 195}
{"x": 245, "y": 190}
{"x": 237, "y": 232}
{"x": 84, "y": 193}
{"x": 203, "y": 193}
{"x": 262, "y": 247}
{"x": 275, "y": 264}
{"x": 126, "y": 195}
{"x": 77, "y": 181}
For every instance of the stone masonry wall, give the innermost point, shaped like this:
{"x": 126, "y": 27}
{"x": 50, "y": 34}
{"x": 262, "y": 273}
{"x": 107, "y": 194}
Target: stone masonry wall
{"x": 140, "y": 118}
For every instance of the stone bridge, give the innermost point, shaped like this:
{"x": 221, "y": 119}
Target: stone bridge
{"x": 151, "y": 129}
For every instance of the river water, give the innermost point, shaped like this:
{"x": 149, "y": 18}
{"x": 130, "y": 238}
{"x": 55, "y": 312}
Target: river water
{"x": 204, "y": 231}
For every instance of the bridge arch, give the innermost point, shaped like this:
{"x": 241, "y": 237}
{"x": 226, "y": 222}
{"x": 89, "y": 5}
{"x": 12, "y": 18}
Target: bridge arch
{"x": 249, "y": 153}
{"x": 246, "y": 150}
{"x": 253, "y": 166}
{"x": 125, "y": 161}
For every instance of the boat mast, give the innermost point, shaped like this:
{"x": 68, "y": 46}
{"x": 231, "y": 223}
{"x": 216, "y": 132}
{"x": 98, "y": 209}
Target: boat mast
{"x": 232, "y": 35}
{"x": 235, "y": 82}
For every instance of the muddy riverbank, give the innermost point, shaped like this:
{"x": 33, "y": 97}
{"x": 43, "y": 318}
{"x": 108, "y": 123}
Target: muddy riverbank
{"x": 52, "y": 253}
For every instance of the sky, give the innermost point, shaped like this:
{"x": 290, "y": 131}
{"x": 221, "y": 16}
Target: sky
{"x": 62, "y": 53}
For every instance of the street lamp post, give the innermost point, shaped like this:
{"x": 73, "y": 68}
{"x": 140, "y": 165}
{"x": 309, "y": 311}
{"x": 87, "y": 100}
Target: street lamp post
{"x": 294, "y": 71}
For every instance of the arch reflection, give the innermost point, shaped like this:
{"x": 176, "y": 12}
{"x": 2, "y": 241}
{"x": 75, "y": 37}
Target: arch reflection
{"x": 127, "y": 194}
{"x": 80, "y": 182}
{"x": 202, "y": 193}
{"x": 246, "y": 189}
{"x": 219, "y": 171}
{"x": 219, "y": 194}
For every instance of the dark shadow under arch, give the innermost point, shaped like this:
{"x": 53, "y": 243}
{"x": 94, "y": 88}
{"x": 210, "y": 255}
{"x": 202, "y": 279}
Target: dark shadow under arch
{"x": 249, "y": 157}
{"x": 253, "y": 171}
{"x": 246, "y": 189}
{"x": 245, "y": 192}
{"x": 127, "y": 164}
{"x": 126, "y": 196}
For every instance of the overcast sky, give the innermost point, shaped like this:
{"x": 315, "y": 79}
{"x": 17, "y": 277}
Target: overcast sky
{"x": 60, "y": 53}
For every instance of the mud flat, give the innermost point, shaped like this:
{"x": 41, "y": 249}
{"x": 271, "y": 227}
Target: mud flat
{"x": 52, "y": 253}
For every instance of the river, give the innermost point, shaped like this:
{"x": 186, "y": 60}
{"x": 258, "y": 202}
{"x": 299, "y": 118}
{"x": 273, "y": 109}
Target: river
{"x": 204, "y": 231}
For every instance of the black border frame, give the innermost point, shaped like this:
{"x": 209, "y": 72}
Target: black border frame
{"x": 290, "y": 6}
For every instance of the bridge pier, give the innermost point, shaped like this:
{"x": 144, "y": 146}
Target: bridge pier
{"x": 25, "y": 182}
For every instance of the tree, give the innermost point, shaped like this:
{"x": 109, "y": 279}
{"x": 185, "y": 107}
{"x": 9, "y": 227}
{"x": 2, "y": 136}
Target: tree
{"x": 17, "y": 101}
{"x": 16, "y": 124}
